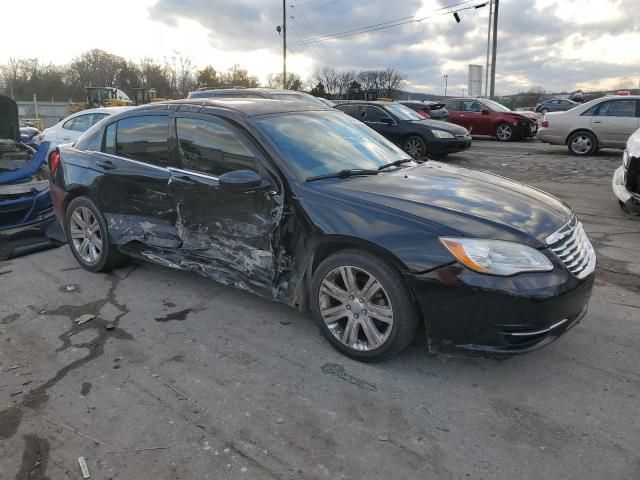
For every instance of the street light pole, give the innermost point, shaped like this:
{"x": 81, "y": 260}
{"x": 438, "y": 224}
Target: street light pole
{"x": 445, "y": 84}
{"x": 495, "y": 48}
{"x": 486, "y": 73}
{"x": 284, "y": 44}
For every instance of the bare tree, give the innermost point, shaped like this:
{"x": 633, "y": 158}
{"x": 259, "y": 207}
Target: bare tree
{"x": 343, "y": 81}
{"x": 294, "y": 82}
{"x": 329, "y": 78}
{"x": 392, "y": 81}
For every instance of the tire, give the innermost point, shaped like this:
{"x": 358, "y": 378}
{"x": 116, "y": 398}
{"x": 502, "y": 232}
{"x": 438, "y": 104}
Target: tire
{"x": 85, "y": 225}
{"x": 375, "y": 329}
{"x": 415, "y": 147}
{"x": 504, "y": 132}
{"x": 582, "y": 144}
{"x": 544, "y": 111}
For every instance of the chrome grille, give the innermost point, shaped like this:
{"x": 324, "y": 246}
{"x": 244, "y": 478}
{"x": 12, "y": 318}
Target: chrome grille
{"x": 573, "y": 248}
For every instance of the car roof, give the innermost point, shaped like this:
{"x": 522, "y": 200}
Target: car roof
{"x": 272, "y": 91}
{"x": 363, "y": 102}
{"x": 249, "y": 107}
{"x": 109, "y": 110}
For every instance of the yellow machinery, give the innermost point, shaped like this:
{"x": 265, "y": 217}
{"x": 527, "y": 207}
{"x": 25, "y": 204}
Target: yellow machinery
{"x": 98, "y": 97}
{"x": 144, "y": 95}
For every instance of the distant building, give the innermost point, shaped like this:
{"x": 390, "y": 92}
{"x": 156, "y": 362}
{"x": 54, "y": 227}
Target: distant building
{"x": 475, "y": 80}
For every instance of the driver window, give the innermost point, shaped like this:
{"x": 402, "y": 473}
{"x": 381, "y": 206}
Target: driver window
{"x": 370, "y": 113}
{"x": 212, "y": 148}
{"x": 471, "y": 106}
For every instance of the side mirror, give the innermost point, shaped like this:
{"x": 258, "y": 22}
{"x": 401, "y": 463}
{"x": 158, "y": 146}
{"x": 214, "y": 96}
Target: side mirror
{"x": 485, "y": 112}
{"x": 387, "y": 120}
{"x": 239, "y": 180}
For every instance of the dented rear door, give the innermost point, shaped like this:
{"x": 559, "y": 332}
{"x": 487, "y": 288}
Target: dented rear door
{"x": 225, "y": 234}
{"x": 133, "y": 191}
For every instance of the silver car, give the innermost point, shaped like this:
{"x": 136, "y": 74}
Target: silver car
{"x": 603, "y": 122}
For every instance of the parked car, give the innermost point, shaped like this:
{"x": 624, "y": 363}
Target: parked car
{"x": 603, "y": 122}
{"x": 626, "y": 179}
{"x": 415, "y": 134}
{"x": 273, "y": 93}
{"x": 307, "y": 206}
{"x": 26, "y": 212}
{"x": 482, "y": 116}
{"x": 30, "y": 135}
{"x": 69, "y": 129}
{"x": 556, "y": 105}
{"x": 433, "y": 110}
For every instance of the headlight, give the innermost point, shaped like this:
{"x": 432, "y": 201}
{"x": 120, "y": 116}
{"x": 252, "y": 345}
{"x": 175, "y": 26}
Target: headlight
{"x": 497, "y": 257}
{"x": 442, "y": 134}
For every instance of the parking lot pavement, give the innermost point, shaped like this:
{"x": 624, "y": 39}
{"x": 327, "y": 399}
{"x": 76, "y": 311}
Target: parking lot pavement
{"x": 180, "y": 378}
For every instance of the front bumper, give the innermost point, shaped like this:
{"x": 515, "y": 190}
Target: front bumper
{"x": 26, "y": 219}
{"x": 628, "y": 200}
{"x": 525, "y": 130}
{"x": 440, "y": 146}
{"x": 469, "y": 312}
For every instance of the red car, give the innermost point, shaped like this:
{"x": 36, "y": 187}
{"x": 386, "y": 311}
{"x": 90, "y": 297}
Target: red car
{"x": 482, "y": 116}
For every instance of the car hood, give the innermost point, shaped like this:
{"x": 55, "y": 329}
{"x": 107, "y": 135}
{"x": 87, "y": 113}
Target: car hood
{"x": 9, "y": 125}
{"x": 519, "y": 116}
{"x": 473, "y": 203}
{"x": 449, "y": 127}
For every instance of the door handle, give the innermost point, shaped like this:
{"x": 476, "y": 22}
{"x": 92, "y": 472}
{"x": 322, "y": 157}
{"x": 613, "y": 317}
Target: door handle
{"x": 597, "y": 121}
{"x": 66, "y": 138}
{"x": 105, "y": 164}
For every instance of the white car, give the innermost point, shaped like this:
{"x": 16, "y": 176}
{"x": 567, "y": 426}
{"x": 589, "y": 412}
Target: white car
{"x": 603, "y": 122}
{"x": 69, "y": 129}
{"x": 626, "y": 179}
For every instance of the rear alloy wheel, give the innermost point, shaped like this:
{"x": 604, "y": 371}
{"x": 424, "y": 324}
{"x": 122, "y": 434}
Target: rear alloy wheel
{"x": 362, "y": 306}
{"x": 544, "y": 111}
{"x": 415, "y": 147}
{"x": 582, "y": 144}
{"x": 88, "y": 237}
{"x": 504, "y": 132}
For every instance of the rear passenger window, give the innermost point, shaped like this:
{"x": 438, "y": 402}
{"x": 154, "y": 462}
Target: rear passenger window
{"x": 617, "y": 108}
{"x": 144, "y": 138}
{"x": 452, "y": 105}
{"x": 212, "y": 147}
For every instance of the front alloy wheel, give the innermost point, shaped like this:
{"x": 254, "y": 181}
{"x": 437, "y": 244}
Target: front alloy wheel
{"x": 356, "y": 308}
{"x": 415, "y": 147}
{"x": 362, "y": 305}
{"x": 504, "y": 132}
{"x": 86, "y": 235}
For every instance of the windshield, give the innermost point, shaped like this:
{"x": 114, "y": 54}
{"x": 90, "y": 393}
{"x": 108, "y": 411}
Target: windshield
{"x": 319, "y": 143}
{"x": 299, "y": 97}
{"x": 403, "y": 112}
{"x": 495, "y": 106}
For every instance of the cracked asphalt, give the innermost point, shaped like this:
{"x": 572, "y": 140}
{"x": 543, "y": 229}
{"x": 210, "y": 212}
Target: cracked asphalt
{"x": 180, "y": 378}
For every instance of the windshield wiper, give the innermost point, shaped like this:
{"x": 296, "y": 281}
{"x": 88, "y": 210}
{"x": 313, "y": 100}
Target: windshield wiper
{"x": 350, "y": 172}
{"x": 395, "y": 163}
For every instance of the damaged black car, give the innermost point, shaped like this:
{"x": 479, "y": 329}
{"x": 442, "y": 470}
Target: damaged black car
{"x": 27, "y": 222}
{"x": 308, "y": 206}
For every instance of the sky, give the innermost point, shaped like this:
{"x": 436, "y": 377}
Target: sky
{"x": 559, "y": 45}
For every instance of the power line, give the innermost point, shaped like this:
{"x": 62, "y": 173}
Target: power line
{"x": 382, "y": 26}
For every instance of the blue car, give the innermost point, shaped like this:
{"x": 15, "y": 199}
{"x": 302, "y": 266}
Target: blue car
{"x": 26, "y": 212}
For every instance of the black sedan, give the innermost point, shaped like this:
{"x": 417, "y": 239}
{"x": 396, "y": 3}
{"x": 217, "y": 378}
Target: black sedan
{"x": 433, "y": 110}
{"x": 415, "y": 134}
{"x": 310, "y": 207}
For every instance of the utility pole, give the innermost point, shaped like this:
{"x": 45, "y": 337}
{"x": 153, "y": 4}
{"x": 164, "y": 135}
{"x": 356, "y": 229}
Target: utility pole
{"x": 495, "y": 48}
{"x": 486, "y": 73}
{"x": 445, "y": 84}
{"x": 284, "y": 44}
